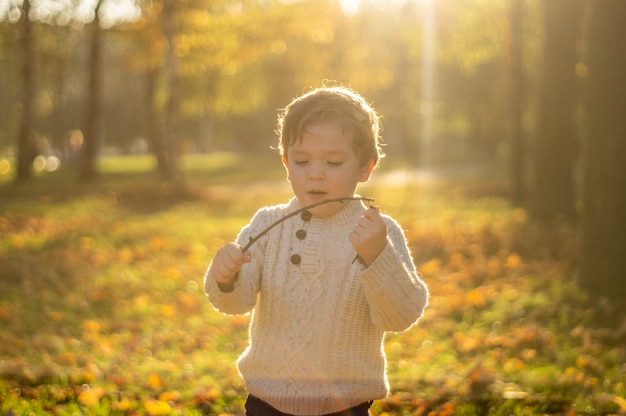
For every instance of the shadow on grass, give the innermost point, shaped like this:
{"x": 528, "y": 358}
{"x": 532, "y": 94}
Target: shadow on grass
{"x": 136, "y": 184}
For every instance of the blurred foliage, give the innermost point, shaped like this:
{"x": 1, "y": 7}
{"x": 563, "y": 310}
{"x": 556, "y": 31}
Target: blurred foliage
{"x": 102, "y": 310}
{"x": 240, "y": 61}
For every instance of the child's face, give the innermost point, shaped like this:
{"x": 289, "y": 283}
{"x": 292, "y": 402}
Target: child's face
{"x": 322, "y": 166}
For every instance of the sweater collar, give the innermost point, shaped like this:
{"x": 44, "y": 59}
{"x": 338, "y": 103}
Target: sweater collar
{"x": 347, "y": 214}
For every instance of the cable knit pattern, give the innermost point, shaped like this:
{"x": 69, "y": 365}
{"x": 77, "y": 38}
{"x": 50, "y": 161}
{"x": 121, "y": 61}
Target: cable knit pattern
{"x": 316, "y": 336}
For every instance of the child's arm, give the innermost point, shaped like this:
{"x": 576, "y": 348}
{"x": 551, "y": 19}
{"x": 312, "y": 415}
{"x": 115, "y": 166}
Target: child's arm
{"x": 395, "y": 293}
{"x": 232, "y": 279}
{"x": 231, "y": 282}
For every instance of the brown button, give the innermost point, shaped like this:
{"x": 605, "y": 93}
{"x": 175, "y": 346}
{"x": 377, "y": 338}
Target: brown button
{"x": 301, "y": 234}
{"x": 296, "y": 259}
{"x": 306, "y": 216}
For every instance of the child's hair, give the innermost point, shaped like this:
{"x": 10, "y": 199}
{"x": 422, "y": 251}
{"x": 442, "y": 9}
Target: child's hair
{"x": 338, "y": 105}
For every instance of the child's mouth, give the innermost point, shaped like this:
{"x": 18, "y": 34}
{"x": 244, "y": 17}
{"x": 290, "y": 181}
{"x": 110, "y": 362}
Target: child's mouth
{"x": 317, "y": 194}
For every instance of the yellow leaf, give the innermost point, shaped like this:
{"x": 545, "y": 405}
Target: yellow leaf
{"x": 142, "y": 301}
{"x": 156, "y": 243}
{"x": 169, "y": 396}
{"x": 476, "y": 298}
{"x": 157, "y": 407}
{"x": 466, "y": 343}
{"x": 167, "y": 310}
{"x": 90, "y": 397}
{"x": 621, "y": 402}
{"x": 514, "y": 365}
{"x": 431, "y": 267}
{"x": 86, "y": 243}
{"x": 457, "y": 260}
{"x": 139, "y": 252}
{"x": 513, "y": 262}
{"x": 172, "y": 273}
{"x": 520, "y": 215}
{"x": 529, "y": 354}
{"x": 17, "y": 240}
{"x": 89, "y": 376}
{"x": 91, "y": 325}
{"x": 125, "y": 255}
{"x": 194, "y": 258}
{"x": 123, "y": 405}
{"x": 154, "y": 381}
{"x": 188, "y": 301}
{"x": 493, "y": 267}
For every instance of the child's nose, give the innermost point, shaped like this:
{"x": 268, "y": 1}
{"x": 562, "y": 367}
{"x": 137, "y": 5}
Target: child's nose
{"x": 316, "y": 172}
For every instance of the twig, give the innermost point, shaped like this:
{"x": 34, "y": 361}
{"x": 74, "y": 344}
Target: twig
{"x": 326, "y": 201}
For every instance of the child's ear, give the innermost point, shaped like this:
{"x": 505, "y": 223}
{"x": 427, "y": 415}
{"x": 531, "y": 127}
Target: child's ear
{"x": 366, "y": 170}
{"x": 286, "y": 165}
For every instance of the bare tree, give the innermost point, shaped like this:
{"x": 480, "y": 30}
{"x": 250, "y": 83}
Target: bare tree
{"x": 516, "y": 98}
{"x": 603, "y": 227}
{"x": 26, "y": 140}
{"x": 169, "y": 151}
{"x": 552, "y": 192}
{"x": 93, "y": 115}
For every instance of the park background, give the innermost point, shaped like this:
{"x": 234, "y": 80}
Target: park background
{"x": 136, "y": 137}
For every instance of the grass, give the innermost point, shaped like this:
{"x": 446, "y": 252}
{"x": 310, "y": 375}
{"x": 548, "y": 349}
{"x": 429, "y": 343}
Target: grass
{"x": 102, "y": 311}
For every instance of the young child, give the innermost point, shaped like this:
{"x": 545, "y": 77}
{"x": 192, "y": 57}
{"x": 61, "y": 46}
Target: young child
{"x": 325, "y": 285}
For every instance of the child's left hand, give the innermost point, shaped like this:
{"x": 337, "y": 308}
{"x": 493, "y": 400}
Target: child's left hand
{"x": 369, "y": 235}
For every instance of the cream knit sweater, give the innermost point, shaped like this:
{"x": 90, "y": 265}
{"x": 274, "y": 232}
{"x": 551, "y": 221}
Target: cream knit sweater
{"x": 316, "y": 335}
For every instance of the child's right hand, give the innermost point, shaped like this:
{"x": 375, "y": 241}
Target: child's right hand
{"x": 227, "y": 263}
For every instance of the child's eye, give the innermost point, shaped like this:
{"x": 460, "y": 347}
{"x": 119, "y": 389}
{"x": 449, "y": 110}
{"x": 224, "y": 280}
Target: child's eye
{"x": 334, "y": 163}
{"x": 300, "y": 162}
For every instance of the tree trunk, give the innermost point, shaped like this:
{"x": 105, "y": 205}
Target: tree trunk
{"x": 516, "y": 82}
{"x": 602, "y": 226}
{"x": 152, "y": 126}
{"x": 26, "y": 147}
{"x": 552, "y": 192}
{"x": 92, "y": 117}
{"x": 168, "y": 160}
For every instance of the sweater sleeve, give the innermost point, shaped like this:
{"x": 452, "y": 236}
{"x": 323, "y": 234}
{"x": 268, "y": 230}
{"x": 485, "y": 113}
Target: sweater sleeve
{"x": 395, "y": 293}
{"x": 242, "y": 298}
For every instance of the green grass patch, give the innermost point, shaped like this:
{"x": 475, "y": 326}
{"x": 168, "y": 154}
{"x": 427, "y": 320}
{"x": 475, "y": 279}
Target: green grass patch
{"x": 102, "y": 309}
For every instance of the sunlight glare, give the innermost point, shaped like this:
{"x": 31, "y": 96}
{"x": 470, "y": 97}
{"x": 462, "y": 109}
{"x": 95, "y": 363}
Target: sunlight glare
{"x": 65, "y": 11}
{"x": 116, "y": 11}
{"x": 352, "y": 7}
{"x": 427, "y": 100}
{"x": 4, "y": 9}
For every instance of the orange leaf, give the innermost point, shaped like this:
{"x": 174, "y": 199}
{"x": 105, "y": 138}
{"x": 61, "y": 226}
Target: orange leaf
{"x": 90, "y": 397}
{"x": 154, "y": 381}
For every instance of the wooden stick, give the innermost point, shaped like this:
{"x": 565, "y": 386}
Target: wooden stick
{"x": 326, "y": 201}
